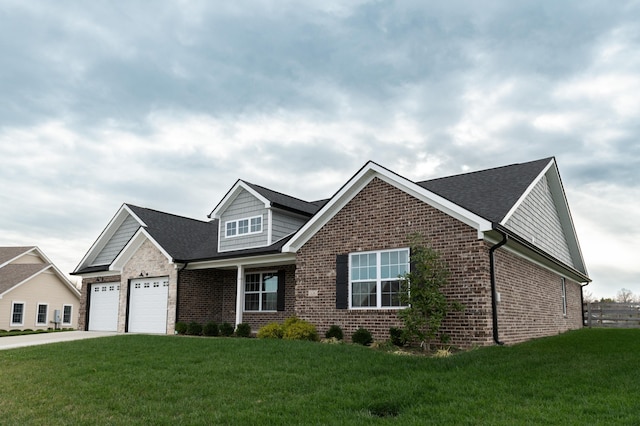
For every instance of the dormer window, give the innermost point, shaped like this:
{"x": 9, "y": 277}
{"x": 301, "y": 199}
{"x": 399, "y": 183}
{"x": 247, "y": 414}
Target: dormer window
{"x": 246, "y": 226}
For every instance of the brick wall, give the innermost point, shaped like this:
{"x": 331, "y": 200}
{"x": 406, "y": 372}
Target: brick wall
{"x": 531, "y": 300}
{"x": 382, "y": 217}
{"x": 258, "y": 319}
{"x": 210, "y": 295}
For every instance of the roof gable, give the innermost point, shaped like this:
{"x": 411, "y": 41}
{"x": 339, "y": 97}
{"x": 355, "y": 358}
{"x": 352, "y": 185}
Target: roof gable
{"x": 14, "y": 271}
{"x": 365, "y": 175}
{"x": 268, "y": 197}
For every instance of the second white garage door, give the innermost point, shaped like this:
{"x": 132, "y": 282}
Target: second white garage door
{"x": 148, "y": 305}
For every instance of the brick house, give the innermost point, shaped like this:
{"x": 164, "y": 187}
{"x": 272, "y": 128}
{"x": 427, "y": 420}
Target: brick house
{"x": 505, "y": 233}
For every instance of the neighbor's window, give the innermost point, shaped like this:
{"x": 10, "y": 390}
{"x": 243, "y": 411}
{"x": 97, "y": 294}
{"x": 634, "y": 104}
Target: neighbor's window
{"x": 251, "y": 225}
{"x": 374, "y": 278}
{"x": 261, "y": 291}
{"x": 66, "y": 314}
{"x": 564, "y": 297}
{"x": 41, "y": 317}
{"x": 17, "y": 313}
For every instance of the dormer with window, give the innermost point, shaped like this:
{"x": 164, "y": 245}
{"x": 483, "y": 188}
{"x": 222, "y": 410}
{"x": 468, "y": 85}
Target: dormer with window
{"x": 251, "y": 216}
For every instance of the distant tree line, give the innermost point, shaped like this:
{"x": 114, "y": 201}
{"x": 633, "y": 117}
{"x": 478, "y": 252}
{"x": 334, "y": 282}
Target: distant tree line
{"x": 623, "y": 296}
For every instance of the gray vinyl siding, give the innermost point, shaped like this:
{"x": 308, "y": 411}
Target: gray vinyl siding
{"x": 284, "y": 225}
{"x": 244, "y": 206}
{"x": 537, "y": 220}
{"x": 120, "y": 238}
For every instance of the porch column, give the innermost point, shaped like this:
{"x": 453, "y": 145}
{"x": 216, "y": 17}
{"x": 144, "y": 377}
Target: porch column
{"x": 239, "y": 295}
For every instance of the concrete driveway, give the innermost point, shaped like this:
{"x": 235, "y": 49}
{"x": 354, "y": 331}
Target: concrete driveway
{"x": 11, "y": 342}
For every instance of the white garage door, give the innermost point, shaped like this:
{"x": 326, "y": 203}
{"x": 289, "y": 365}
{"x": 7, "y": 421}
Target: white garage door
{"x": 103, "y": 307}
{"x": 148, "y": 305}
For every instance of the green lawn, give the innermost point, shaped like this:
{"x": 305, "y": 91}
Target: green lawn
{"x": 584, "y": 377}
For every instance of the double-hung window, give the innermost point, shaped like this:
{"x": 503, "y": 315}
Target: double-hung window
{"x": 261, "y": 291}
{"x": 66, "y": 314}
{"x": 41, "y": 316}
{"x": 246, "y": 226}
{"x": 17, "y": 313}
{"x": 375, "y": 278}
{"x": 564, "y": 296}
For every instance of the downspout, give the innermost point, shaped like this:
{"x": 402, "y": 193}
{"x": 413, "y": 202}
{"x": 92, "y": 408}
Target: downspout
{"x": 492, "y": 271}
{"x": 178, "y": 292}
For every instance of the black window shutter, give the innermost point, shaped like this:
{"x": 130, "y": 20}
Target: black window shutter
{"x": 281, "y": 290}
{"x": 342, "y": 281}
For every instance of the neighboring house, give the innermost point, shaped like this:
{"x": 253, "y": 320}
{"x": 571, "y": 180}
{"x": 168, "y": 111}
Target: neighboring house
{"x": 34, "y": 294}
{"x": 506, "y": 234}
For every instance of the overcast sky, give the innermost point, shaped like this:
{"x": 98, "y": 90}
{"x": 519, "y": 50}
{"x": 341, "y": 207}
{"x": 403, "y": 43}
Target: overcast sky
{"x": 165, "y": 104}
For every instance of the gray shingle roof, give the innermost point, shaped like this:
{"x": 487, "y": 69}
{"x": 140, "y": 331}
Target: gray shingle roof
{"x": 13, "y": 274}
{"x": 286, "y": 202}
{"x": 488, "y": 193}
{"x": 181, "y": 237}
{"x": 8, "y": 253}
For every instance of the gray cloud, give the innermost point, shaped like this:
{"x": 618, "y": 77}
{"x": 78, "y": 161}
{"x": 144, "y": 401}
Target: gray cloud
{"x": 166, "y": 105}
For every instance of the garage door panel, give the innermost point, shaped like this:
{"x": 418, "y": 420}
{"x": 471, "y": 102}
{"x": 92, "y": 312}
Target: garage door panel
{"x": 148, "y": 305}
{"x": 103, "y": 309}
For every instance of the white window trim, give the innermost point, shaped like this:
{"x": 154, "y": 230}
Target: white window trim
{"x": 237, "y": 223}
{"x": 38, "y": 312}
{"x": 70, "y": 315}
{"x": 24, "y": 310}
{"x": 244, "y": 292}
{"x": 564, "y": 296}
{"x": 378, "y": 281}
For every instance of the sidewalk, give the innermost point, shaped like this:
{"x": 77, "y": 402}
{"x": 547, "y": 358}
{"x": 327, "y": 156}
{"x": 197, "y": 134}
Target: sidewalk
{"x": 11, "y": 342}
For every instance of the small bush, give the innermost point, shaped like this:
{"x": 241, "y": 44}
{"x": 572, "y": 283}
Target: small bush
{"x": 226, "y": 329}
{"x": 243, "y": 330}
{"x": 194, "y": 329}
{"x": 362, "y": 336}
{"x": 271, "y": 331}
{"x": 397, "y": 336}
{"x": 181, "y": 327}
{"x": 210, "y": 329}
{"x": 334, "y": 331}
{"x": 297, "y": 329}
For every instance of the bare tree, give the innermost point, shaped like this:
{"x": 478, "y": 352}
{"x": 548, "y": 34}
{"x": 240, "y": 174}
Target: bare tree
{"x": 587, "y": 297}
{"x": 625, "y": 296}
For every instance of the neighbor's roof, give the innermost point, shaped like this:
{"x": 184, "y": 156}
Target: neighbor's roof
{"x": 10, "y": 253}
{"x": 488, "y": 193}
{"x": 14, "y": 274}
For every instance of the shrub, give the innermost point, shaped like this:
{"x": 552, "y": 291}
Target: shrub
{"x": 297, "y": 329}
{"x": 334, "y": 331}
{"x": 397, "y": 336}
{"x": 271, "y": 331}
{"x": 243, "y": 330}
{"x": 181, "y": 327}
{"x": 226, "y": 329}
{"x": 362, "y": 336}
{"x": 210, "y": 329}
{"x": 194, "y": 329}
